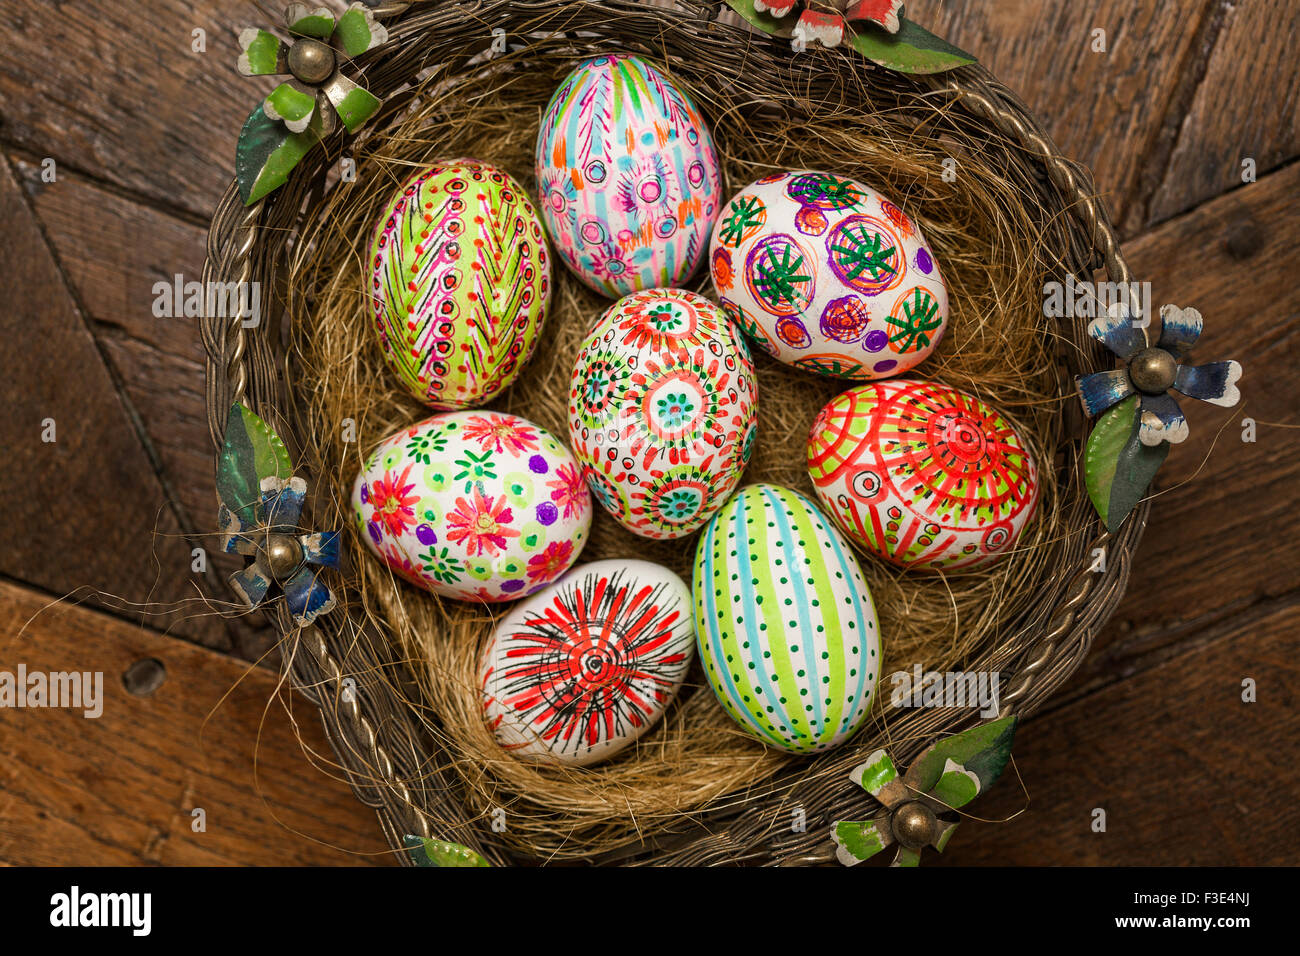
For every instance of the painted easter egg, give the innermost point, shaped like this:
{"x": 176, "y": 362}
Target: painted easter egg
{"x": 921, "y": 474}
{"x": 628, "y": 176}
{"x": 828, "y": 275}
{"x": 582, "y": 669}
{"x": 459, "y": 280}
{"x": 473, "y": 506}
{"x": 663, "y": 411}
{"x": 785, "y": 623}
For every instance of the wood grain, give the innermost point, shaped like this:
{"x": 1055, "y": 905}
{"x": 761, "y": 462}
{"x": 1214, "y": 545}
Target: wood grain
{"x": 121, "y": 789}
{"x": 114, "y": 250}
{"x": 80, "y": 511}
{"x": 1186, "y": 772}
{"x": 1247, "y": 105}
{"x": 1104, "y": 109}
{"x": 116, "y": 91}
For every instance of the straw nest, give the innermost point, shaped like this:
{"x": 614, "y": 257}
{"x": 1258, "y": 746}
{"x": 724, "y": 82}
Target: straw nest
{"x": 985, "y": 228}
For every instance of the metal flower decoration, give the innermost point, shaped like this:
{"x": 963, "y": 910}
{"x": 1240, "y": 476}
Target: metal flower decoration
{"x": 261, "y": 504}
{"x": 915, "y": 808}
{"x": 827, "y": 22}
{"x": 426, "y": 852}
{"x": 315, "y": 98}
{"x": 1140, "y": 418}
{"x": 875, "y": 28}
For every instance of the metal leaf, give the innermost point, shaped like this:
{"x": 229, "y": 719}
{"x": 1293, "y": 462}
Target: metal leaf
{"x": 910, "y": 50}
{"x": 262, "y": 53}
{"x": 291, "y": 103}
{"x": 1117, "y": 466}
{"x": 309, "y": 21}
{"x": 268, "y": 152}
{"x": 426, "y": 852}
{"x": 957, "y": 786}
{"x": 307, "y": 596}
{"x": 983, "y": 750}
{"x": 252, "y": 583}
{"x": 353, "y": 103}
{"x": 879, "y": 777}
{"x": 321, "y": 547}
{"x": 250, "y": 451}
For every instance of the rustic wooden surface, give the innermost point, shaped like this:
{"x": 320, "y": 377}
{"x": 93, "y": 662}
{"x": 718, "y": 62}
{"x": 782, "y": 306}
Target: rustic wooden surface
{"x": 1152, "y": 730}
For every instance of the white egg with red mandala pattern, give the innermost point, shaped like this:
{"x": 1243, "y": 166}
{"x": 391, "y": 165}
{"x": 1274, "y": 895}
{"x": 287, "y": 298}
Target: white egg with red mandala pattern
{"x": 582, "y": 669}
{"x": 662, "y": 411}
{"x": 922, "y": 475}
{"x": 473, "y": 506}
{"x": 828, "y": 275}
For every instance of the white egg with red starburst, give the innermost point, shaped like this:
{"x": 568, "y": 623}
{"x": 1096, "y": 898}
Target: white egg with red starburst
{"x": 582, "y": 669}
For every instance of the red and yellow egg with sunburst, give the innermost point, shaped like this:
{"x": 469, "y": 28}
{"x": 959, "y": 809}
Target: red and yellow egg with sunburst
{"x": 923, "y": 475}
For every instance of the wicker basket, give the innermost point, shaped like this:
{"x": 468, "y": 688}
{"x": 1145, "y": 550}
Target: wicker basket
{"x": 381, "y": 743}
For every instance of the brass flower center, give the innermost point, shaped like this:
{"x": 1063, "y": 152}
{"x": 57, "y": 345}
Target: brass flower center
{"x": 914, "y": 824}
{"x": 311, "y": 61}
{"x": 283, "y": 555}
{"x": 1152, "y": 371}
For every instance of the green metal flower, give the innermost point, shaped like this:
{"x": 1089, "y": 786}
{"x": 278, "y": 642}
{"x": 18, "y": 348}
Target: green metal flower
{"x": 312, "y": 60}
{"x": 315, "y": 98}
{"x": 914, "y": 807}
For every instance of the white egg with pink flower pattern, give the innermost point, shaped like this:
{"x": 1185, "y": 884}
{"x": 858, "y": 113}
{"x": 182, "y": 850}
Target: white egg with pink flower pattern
{"x": 475, "y": 505}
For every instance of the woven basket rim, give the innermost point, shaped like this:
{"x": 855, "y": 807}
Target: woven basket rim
{"x": 410, "y": 795}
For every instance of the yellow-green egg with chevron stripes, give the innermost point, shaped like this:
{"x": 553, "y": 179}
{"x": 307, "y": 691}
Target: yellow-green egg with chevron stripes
{"x": 459, "y": 283}
{"x": 785, "y": 624}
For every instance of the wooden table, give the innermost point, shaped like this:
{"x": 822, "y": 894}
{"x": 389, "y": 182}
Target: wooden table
{"x": 119, "y": 122}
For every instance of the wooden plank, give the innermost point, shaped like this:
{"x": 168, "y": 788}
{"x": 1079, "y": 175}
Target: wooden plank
{"x": 114, "y": 250}
{"x": 121, "y": 789}
{"x": 1186, "y": 772}
{"x": 1222, "y": 530}
{"x": 1104, "y": 109}
{"x": 117, "y": 91}
{"x": 1247, "y": 106}
{"x": 82, "y": 510}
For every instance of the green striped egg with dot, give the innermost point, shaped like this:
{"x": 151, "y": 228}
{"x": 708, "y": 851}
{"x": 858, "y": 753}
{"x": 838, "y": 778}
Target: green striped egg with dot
{"x": 785, "y": 624}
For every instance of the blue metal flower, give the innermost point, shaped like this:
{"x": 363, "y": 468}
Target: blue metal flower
{"x": 1151, "y": 371}
{"x": 261, "y": 504}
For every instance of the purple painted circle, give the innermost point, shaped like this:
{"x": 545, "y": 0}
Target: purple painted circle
{"x": 511, "y": 586}
{"x": 365, "y": 493}
{"x": 923, "y": 261}
{"x": 375, "y": 534}
{"x": 426, "y": 534}
{"x": 537, "y": 464}
{"x": 888, "y": 365}
{"x": 547, "y": 513}
{"x": 875, "y": 341}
